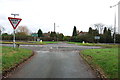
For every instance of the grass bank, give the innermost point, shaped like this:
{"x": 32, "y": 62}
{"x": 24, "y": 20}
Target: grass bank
{"x": 11, "y": 57}
{"x": 106, "y": 60}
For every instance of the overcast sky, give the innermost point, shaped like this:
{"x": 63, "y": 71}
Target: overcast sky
{"x": 66, "y": 14}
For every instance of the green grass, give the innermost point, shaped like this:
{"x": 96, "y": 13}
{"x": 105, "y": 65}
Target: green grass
{"x": 106, "y": 59}
{"x": 94, "y": 44}
{"x": 45, "y": 42}
{"x": 11, "y": 57}
{"x": 50, "y": 42}
{"x": 31, "y": 42}
{"x": 0, "y": 59}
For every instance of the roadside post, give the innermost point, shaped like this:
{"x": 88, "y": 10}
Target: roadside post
{"x": 14, "y": 22}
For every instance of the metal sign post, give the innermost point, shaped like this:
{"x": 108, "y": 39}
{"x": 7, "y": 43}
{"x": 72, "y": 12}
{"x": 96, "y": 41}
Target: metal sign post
{"x": 14, "y": 22}
{"x": 14, "y": 38}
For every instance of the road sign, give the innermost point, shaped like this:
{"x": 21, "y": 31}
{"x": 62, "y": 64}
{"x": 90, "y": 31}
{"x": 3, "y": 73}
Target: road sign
{"x": 14, "y": 21}
{"x": 34, "y": 35}
{"x": 97, "y": 37}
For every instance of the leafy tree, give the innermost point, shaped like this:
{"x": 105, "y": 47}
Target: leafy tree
{"x": 20, "y": 34}
{"x": 74, "y": 31}
{"x": 60, "y": 36}
{"x": 105, "y": 31}
{"x": 107, "y": 36}
{"x": 117, "y": 38}
{"x": 95, "y": 32}
{"x": 66, "y": 38}
{"x": 90, "y": 30}
{"x": 53, "y": 35}
{"x": 40, "y": 33}
{"x": 4, "y": 34}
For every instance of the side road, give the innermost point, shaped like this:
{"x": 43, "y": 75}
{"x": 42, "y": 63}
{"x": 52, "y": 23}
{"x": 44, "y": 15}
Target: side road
{"x": 55, "y": 61}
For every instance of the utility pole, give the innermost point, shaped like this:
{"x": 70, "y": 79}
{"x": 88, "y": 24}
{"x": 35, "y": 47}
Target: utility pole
{"x": 14, "y": 31}
{"x": 54, "y": 27}
{"x": 118, "y": 17}
{"x": 115, "y": 29}
{"x": 115, "y": 21}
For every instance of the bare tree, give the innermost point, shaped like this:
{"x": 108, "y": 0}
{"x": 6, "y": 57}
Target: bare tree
{"x": 22, "y": 29}
{"x": 1, "y": 29}
{"x": 99, "y": 27}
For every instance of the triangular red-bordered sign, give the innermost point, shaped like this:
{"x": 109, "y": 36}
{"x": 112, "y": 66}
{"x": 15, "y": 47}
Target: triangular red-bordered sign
{"x": 14, "y": 21}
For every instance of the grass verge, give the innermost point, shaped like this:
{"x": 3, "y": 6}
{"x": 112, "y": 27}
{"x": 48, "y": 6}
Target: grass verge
{"x": 105, "y": 60}
{"x": 28, "y": 43}
{"x": 51, "y": 42}
{"x": 95, "y": 44}
{"x": 31, "y": 42}
{"x": 12, "y": 57}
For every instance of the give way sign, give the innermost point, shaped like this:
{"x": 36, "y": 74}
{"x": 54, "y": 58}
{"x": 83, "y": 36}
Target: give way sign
{"x": 14, "y": 21}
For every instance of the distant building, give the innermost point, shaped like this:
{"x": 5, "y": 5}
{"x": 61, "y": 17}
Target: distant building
{"x": 46, "y": 34}
{"x": 82, "y": 33}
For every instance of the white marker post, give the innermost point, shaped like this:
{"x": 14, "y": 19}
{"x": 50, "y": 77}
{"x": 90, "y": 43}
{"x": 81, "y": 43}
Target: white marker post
{"x": 14, "y": 22}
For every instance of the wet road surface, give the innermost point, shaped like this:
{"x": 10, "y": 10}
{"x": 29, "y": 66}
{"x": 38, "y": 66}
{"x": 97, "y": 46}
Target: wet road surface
{"x": 60, "y": 60}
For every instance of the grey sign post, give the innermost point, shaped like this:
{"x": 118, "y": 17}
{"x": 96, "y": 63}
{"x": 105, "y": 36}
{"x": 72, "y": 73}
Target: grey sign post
{"x": 14, "y": 22}
{"x": 14, "y": 31}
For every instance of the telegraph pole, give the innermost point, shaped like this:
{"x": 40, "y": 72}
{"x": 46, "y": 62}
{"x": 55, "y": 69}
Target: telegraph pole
{"x": 54, "y": 27}
{"x": 115, "y": 21}
{"x": 119, "y": 17}
{"x": 14, "y": 31}
{"x": 115, "y": 29}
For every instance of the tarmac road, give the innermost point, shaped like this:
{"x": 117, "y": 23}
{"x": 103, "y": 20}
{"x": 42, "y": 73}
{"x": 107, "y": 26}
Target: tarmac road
{"x": 60, "y": 60}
